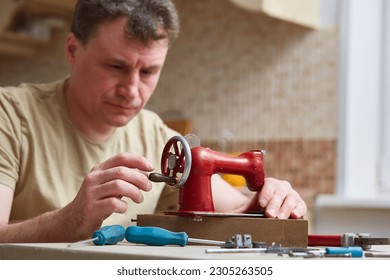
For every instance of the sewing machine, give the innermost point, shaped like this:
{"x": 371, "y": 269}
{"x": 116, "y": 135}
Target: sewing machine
{"x": 188, "y": 166}
{"x": 190, "y": 169}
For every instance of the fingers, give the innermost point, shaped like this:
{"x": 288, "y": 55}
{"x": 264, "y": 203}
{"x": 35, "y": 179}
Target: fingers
{"x": 133, "y": 177}
{"x": 118, "y": 189}
{"x": 116, "y": 206}
{"x": 121, "y": 175}
{"x": 116, "y": 183}
{"x": 127, "y": 160}
{"x": 293, "y": 206}
{"x": 280, "y": 200}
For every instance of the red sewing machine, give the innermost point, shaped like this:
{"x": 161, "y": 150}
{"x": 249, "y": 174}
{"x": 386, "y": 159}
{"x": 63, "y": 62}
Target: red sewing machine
{"x": 188, "y": 166}
{"x": 190, "y": 169}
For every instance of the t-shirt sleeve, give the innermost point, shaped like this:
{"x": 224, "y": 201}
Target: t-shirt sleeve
{"x": 10, "y": 135}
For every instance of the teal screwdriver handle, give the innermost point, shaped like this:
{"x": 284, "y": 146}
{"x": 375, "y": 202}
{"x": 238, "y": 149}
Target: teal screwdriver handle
{"x": 155, "y": 236}
{"x": 355, "y": 251}
{"x": 108, "y": 235}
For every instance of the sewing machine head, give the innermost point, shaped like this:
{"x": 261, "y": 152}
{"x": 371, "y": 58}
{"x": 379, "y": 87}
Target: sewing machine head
{"x": 188, "y": 166}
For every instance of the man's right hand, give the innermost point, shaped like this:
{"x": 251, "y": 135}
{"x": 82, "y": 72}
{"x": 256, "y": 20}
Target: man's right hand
{"x": 102, "y": 190}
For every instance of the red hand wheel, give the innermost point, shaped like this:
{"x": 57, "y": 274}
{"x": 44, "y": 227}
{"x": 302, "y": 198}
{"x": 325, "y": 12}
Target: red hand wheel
{"x": 176, "y": 160}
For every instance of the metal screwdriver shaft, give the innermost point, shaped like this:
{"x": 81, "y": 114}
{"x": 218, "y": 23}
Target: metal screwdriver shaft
{"x": 82, "y": 243}
{"x": 108, "y": 235}
{"x": 205, "y": 241}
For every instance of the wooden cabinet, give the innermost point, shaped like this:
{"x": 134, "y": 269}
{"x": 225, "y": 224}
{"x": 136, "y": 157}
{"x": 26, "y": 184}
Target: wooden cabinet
{"x": 62, "y": 8}
{"x": 302, "y": 12}
{"x": 20, "y": 21}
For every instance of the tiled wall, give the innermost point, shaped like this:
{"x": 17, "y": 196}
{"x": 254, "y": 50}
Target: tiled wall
{"x": 243, "y": 78}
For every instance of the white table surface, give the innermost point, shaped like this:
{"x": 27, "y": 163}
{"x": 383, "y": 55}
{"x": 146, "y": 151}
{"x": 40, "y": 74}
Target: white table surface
{"x": 125, "y": 250}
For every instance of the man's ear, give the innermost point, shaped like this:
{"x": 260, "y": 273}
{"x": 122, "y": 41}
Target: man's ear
{"x": 71, "y": 46}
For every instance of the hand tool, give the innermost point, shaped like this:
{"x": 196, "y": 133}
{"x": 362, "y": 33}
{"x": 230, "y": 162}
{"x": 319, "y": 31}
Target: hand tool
{"x": 156, "y": 236}
{"x": 363, "y": 240}
{"x": 273, "y": 249}
{"x": 193, "y": 167}
{"x": 107, "y": 235}
{"x": 296, "y": 252}
{"x": 354, "y": 252}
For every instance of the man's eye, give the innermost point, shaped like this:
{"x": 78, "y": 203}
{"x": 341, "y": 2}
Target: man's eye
{"x": 116, "y": 66}
{"x": 146, "y": 72}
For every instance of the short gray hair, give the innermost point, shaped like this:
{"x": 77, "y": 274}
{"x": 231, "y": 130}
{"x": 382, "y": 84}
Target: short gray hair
{"x": 147, "y": 20}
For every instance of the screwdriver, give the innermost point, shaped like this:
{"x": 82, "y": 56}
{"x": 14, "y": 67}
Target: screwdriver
{"x": 107, "y": 235}
{"x": 156, "y": 236}
{"x": 354, "y": 251}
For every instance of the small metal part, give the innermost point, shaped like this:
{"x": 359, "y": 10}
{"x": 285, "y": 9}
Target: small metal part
{"x": 303, "y": 254}
{"x": 345, "y": 255}
{"x": 279, "y": 250}
{"x": 365, "y": 241}
{"x": 235, "y": 250}
{"x": 229, "y": 244}
{"x": 238, "y": 241}
{"x": 353, "y": 239}
{"x": 377, "y": 255}
{"x": 172, "y": 161}
{"x": 157, "y": 177}
{"x": 259, "y": 244}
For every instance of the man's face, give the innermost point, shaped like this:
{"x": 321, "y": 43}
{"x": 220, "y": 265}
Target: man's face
{"x": 112, "y": 76}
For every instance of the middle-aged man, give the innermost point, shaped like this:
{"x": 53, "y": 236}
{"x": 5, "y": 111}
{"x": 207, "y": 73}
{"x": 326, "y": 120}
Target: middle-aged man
{"x": 73, "y": 152}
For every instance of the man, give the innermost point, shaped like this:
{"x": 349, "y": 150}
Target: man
{"x": 73, "y": 153}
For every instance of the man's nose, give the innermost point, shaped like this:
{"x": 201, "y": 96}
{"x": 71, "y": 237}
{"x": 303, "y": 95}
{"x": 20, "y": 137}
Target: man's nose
{"x": 129, "y": 85}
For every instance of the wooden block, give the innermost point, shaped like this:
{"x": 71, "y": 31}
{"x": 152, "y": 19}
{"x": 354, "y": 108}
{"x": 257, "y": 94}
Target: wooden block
{"x": 288, "y": 233}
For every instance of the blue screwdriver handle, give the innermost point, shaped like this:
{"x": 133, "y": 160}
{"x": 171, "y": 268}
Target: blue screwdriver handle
{"x": 155, "y": 236}
{"x": 108, "y": 235}
{"x": 355, "y": 252}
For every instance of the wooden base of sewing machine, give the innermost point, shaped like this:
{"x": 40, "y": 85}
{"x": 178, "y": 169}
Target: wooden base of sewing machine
{"x": 288, "y": 233}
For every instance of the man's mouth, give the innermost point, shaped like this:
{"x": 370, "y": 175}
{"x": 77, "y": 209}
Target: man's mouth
{"x": 124, "y": 106}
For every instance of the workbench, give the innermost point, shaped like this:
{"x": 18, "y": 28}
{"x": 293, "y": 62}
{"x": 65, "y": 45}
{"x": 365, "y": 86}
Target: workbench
{"x": 128, "y": 251}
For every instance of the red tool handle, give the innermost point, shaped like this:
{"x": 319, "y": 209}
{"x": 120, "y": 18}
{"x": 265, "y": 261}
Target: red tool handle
{"x": 324, "y": 240}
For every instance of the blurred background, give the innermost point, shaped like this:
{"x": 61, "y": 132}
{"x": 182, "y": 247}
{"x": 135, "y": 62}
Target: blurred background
{"x": 305, "y": 80}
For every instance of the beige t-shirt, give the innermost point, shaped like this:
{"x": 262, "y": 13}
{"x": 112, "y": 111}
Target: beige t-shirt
{"x": 44, "y": 159}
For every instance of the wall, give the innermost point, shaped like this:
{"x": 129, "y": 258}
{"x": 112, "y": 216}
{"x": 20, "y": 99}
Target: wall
{"x": 49, "y": 64}
{"x": 270, "y": 84}
{"x": 252, "y": 81}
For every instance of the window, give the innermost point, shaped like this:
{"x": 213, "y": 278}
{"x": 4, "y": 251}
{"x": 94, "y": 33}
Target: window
{"x": 364, "y": 126}
{"x": 384, "y": 176}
